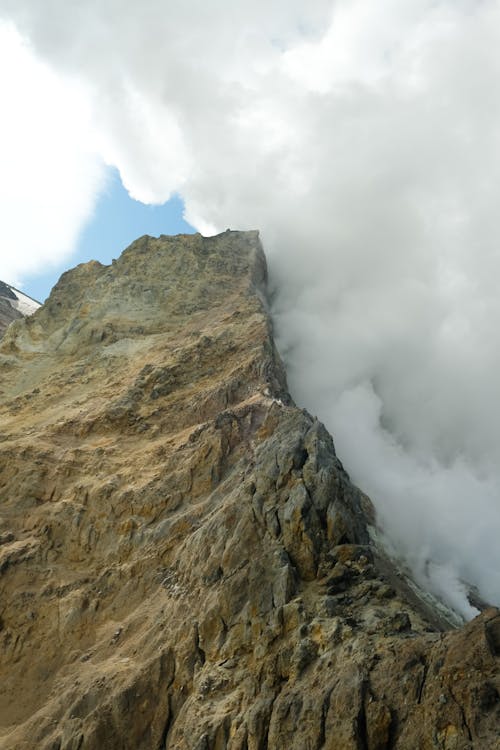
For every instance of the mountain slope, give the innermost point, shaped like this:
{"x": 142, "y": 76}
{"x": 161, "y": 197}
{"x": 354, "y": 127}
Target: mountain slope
{"x": 184, "y": 562}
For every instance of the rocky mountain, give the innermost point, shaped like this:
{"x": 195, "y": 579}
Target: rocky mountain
{"x": 184, "y": 561}
{"x": 14, "y": 305}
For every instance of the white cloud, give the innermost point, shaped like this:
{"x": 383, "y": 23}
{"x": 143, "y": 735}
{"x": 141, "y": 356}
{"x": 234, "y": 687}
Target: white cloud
{"x": 49, "y": 174}
{"x": 363, "y": 139}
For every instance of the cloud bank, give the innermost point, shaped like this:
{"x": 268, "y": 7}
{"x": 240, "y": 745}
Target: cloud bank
{"x": 49, "y": 172}
{"x": 362, "y": 139}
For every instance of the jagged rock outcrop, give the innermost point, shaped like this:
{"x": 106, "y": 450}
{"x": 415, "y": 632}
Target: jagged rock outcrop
{"x": 184, "y": 562}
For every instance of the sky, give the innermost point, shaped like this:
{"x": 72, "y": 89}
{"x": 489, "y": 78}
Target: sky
{"x": 362, "y": 139}
{"x": 116, "y": 221}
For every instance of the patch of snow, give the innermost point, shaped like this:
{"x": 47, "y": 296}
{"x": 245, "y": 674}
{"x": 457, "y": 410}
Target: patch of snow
{"x": 26, "y": 305}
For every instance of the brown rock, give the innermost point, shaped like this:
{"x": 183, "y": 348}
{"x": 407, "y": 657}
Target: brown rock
{"x": 184, "y": 562}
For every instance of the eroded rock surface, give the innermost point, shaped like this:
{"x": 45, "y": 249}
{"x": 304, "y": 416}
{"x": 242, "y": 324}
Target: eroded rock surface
{"x": 184, "y": 562}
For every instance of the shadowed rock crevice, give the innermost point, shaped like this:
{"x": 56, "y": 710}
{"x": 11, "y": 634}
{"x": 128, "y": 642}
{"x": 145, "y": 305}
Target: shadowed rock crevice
{"x": 184, "y": 561}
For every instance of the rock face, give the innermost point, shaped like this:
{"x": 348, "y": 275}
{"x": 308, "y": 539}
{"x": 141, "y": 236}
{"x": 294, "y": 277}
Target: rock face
{"x": 184, "y": 562}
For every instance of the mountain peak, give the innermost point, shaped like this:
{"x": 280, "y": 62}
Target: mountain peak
{"x": 184, "y": 561}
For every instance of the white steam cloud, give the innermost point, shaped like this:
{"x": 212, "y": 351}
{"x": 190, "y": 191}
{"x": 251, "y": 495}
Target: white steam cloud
{"x": 363, "y": 140}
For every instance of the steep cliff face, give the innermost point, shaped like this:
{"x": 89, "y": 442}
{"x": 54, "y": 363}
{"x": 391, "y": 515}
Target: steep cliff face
{"x": 184, "y": 562}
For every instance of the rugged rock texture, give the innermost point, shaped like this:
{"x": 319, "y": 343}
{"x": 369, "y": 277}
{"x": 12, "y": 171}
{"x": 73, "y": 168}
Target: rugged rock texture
{"x": 184, "y": 562}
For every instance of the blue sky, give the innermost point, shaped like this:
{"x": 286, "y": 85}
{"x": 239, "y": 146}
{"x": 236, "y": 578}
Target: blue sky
{"x": 117, "y": 221}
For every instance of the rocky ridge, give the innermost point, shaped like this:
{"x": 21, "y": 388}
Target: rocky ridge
{"x": 184, "y": 562}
